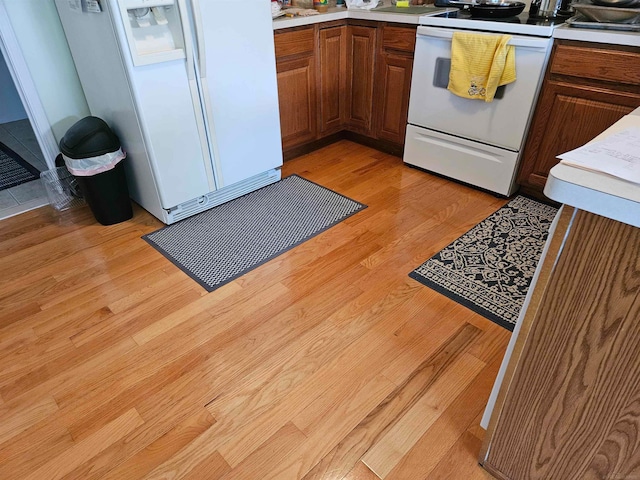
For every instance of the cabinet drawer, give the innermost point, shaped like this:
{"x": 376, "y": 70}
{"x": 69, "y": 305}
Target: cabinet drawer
{"x": 610, "y": 65}
{"x": 295, "y": 42}
{"x": 397, "y": 38}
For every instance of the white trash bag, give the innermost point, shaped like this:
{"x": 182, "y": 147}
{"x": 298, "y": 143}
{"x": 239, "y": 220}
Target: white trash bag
{"x": 86, "y": 167}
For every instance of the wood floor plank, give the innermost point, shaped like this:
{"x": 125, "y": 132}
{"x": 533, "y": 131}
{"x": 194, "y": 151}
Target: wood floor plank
{"x": 475, "y": 429}
{"x": 52, "y": 377}
{"x": 344, "y": 456}
{"x": 465, "y": 466}
{"x": 22, "y": 418}
{"x": 433, "y": 446}
{"x": 29, "y": 232}
{"x": 145, "y": 460}
{"x": 238, "y": 438}
{"x": 272, "y": 379}
{"x": 15, "y": 315}
{"x": 170, "y": 322}
{"x": 174, "y": 294}
{"x": 426, "y": 330}
{"x": 306, "y": 364}
{"x": 58, "y": 256}
{"x": 226, "y": 350}
{"x": 70, "y": 289}
{"x": 325, "y": 432}
{"x": 26, "y": 356}
{"x": 357, "y": 344}
{"x": 21, "y": 338}
{"x": 395, "y": 444}
{"x": 140, "y": 378}
{"x": 270, "y": 456}
{"x": 361, "y": 472}
{"x": 85, "y": 450}
{"x": 33, "y": 448}
{"x": 213, "y": 467}
{"x": 492, "y": 343}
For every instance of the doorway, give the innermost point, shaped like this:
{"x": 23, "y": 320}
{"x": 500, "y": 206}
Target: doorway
{"x": 22, "y": 156}
{"x": 18, "y": 143}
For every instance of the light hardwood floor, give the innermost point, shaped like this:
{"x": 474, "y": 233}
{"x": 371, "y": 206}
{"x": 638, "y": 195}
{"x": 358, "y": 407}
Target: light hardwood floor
{"x": 326, "y": 362}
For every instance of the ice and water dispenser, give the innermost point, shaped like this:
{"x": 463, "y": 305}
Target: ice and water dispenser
{"x": 154, "y": 30}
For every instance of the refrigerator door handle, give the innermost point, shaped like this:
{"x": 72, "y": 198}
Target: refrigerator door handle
{"x": 198, "y": 26}
{"x": 186, "y": 34}
{"x": 206, "y": 100}
{"x": 195, "y": 96}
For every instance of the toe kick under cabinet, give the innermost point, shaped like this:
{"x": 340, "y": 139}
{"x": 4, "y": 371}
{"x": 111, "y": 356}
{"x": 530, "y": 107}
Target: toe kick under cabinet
{"x": 344, "y": 78}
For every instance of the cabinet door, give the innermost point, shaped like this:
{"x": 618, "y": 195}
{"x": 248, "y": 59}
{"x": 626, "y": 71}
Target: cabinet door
{"x": 393, "y": 82}
{"x": 333, "y": 80}
{"x": 568, "y": 116}
{"x": 361, "y": 44}
{"x": 296, "y": 94}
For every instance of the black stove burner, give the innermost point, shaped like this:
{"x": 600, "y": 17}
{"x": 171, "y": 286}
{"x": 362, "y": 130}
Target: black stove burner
{"x": 523, "y": 18}
{"x": 514, "y": 19}
{"x": 464, "y": 14}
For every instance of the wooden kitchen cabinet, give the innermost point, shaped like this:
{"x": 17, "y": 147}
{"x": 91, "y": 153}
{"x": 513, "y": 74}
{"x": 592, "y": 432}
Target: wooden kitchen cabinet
{"x": 361, "y": 54}
{"x": 332, "y": 79}
{"x": 344, "y": 79}
{"x": 586, "y": 89}
{"x": 568, "y": 405}
{"x": 393, "y": 82}
{"x": 296, "y": 73}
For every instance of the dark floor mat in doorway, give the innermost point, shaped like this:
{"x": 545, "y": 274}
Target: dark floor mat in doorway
{"x": 14, "y": 170}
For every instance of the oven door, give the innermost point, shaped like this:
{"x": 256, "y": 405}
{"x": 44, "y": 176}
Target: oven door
{"x": 502, "y": 122}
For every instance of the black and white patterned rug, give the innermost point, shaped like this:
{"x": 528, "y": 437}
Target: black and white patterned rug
{"x": 489, "y": 268}
{"x": 221, "y": 244}
{"x": 14, "y": 170}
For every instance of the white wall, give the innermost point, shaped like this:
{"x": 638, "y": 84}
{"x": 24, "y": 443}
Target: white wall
{"x": 44, "y": 46}
{"x": 11, "y": 108}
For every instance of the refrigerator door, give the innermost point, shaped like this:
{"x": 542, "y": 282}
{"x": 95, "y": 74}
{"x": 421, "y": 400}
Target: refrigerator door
{"x": 157, "y": 51}
{"x": 236, "y": 65}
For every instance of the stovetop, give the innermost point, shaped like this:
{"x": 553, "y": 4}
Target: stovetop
{"x": 520, "y": 24}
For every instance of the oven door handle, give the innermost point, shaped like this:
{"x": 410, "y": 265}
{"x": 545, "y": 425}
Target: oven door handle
{"x": 516, "y": 40}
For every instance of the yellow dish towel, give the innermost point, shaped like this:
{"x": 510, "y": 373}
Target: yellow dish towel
{"x": 480, "y": 64}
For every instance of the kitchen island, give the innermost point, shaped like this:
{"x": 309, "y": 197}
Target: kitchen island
{"x": 567, "y": 406}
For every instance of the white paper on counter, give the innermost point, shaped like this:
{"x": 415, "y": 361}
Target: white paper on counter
{"x": 617, "y": 155}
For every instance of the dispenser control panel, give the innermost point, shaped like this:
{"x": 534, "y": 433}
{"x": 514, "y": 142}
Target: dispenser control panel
{"x": 153, "y": 29}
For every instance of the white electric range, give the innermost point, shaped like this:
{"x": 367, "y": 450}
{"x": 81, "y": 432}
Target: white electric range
{"x": 473, "y": 141}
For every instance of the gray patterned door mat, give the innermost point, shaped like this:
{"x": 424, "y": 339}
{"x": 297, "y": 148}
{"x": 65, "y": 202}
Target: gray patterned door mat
{"x": 222, "y": 244}
{"x": 14, "y": 170}
{"x": 489, "y": 268}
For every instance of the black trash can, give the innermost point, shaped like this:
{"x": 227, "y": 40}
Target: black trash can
{"x": 92, "y": 153}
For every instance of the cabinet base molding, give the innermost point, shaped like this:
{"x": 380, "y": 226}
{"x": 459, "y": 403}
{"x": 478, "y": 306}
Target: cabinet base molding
{"x": 298, "y": 151}
{"x": 382, "y": 145}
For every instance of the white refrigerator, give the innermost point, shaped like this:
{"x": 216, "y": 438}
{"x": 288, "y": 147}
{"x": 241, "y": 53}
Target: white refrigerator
{"x": 189, "y": 87}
